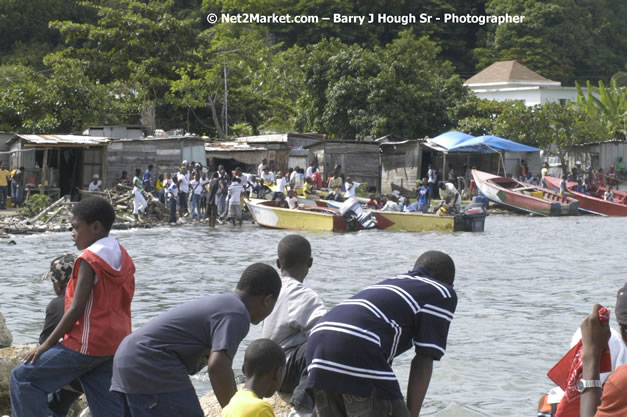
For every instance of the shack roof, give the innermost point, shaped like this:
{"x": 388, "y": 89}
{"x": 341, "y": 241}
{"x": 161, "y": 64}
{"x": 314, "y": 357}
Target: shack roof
{"x": 508, "y": 72}
{"x": 232, "y": 147}
{"x": 61, "y": 140}
{"x": 279, "y": 138}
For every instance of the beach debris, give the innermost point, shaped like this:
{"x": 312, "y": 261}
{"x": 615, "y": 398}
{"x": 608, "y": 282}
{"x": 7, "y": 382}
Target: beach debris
{"x": 6, "y": 339}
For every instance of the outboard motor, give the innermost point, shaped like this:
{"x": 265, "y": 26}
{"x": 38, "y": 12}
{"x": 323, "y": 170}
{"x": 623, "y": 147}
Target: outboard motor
{"x": 472, "y": 218}
{"x": 352, "y": 211}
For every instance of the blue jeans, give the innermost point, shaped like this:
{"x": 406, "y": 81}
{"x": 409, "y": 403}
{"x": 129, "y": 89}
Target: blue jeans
{"x": 17, "y": 192}
{"x": 3, "y": 196}
{"x": 196, "y": 206}
{"x": 181, "y": 404}
{"x": 60, "y": 402}
{"x": 335, "y": 404}
{"x": 222, "y": 205}
{"x": 31, "y": 383}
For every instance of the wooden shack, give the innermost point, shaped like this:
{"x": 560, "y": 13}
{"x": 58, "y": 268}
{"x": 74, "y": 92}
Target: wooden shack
{"x": 234, "y": 154}
{"x": 59, "y": 164}
{"x": 165, "y": 153}
{"x": 283, "y": 148}
{"x": 5, "y": 148}
{"x": 401, "y": 164}
{"x": 359, "y": 160}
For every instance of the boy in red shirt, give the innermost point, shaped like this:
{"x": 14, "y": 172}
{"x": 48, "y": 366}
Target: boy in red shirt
{"x": 97, "y": 317}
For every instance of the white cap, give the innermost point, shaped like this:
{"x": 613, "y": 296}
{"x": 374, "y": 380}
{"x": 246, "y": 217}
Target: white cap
{"x": 185, "y": 162}
{"x": 96, "y": 176}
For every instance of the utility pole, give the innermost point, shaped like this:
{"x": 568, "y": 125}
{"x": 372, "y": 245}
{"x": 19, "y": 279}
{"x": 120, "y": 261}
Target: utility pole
{"x": 226, "y": 105}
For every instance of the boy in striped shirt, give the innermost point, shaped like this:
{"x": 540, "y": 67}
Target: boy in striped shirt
{"x": 351, "y": 349}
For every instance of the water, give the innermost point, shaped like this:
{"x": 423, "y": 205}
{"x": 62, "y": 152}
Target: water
{"x": 523, "y": 286}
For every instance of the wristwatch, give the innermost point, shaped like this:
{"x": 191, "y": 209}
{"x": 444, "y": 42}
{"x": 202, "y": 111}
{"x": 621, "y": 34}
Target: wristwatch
{"x": 584, "y": 384}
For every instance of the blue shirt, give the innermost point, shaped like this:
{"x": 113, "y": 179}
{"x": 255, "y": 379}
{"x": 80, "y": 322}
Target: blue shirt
{"x": 158, "y": 357}
{"x": 352, "y": 347}
{"x": 423, "y": 195}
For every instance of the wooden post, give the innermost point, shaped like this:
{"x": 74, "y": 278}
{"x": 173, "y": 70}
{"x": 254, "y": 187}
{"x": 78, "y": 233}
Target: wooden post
{"x": 44, "y": 168}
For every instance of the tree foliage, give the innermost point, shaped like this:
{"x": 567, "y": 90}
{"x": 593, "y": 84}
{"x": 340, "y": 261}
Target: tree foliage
{"x": 609, "y": 109}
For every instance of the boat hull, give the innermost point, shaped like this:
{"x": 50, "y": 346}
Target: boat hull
{"x": 533, "y": 199}
{"x": 590, "y": 203}
{"x": 396, "y": 221}
{"x": 266, "y": 214}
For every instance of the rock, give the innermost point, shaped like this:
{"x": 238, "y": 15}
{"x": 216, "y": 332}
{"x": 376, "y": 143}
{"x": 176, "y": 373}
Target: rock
{"x": 9, "y": 358}
{"x": 279, "y": 402}
{"x": 5, "y": 335}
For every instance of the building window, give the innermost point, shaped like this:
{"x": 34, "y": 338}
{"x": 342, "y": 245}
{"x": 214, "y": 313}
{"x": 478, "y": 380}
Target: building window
{"x": 563, "y": 101}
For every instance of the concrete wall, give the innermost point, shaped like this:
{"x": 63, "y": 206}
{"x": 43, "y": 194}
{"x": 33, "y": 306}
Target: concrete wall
{"x": 531, "y": 97}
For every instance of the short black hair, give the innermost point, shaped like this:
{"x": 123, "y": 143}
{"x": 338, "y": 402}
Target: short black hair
{"x": 441, "y": 185}
{"x": 438, "y": 265}
{"x": 93, "y": 209}
{"x": 237, "y": 179}
{"x": 293, "y": 250}
{"x": 262, "y": 357}
{"x": 260, "y": 280}
{"x": 138, "y": 171}
{"x": 150, "y": 167}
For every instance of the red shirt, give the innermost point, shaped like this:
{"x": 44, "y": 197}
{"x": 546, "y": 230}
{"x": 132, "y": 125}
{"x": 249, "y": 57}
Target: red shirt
{"x": 317, "y": 178}
{"x": 107, "y": 316}
{"x": 614, "y": 399}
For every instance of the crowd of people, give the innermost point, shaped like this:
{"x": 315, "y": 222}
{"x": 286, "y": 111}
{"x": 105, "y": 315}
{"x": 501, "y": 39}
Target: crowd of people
{"x": 11, "y": 184}
{"x": 306, "y": 349}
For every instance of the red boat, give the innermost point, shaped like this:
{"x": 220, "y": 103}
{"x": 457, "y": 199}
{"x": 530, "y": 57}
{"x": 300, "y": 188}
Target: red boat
{"x": 522, "y": 196}
{"x": 594, "y": 203}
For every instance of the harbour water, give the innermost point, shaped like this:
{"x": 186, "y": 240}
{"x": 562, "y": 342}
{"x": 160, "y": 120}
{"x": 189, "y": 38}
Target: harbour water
{"x": 524, "y": 285}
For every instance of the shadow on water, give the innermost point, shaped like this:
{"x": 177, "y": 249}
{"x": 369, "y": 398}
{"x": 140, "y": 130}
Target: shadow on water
{"x": 523, "y": 286}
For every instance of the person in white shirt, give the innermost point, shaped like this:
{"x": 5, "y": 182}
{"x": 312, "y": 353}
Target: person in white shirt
{"x": 267, "y": 176}
{"x": 197, "y": 188}
{"x": 281, "y": 191}
{"x": 172, "y": 193}
{"x": 235, "y": 204}
{"x": 390, "y": 204}
{"x": 450, "y": 195}
{"x": 183, "y": 180}
{"x": 295, "y": 313}
{"x": 310, "y": 171}
{"x": 350, "y": 187}
{"x": 292, "y": 200}
{"x": 95, "y": 184}
{"x": 261, "y": 166}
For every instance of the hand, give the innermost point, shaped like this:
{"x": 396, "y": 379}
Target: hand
{"x": 594, "y": 334}
{"x": 36, "y": 353}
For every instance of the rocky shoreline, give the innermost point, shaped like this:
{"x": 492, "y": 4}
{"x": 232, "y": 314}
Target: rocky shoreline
{"x": 12, "y": 355}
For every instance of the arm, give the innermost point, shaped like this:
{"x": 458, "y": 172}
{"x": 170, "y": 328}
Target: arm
{"x": 419, "y": 378}
{"x": 221, "y": 376}
{"x": 594, "y": 338}
{"x": 84, "y": 286}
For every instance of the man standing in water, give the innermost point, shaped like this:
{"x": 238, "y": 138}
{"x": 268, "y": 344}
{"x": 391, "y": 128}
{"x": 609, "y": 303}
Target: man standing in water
{"x": 350, "y": 350}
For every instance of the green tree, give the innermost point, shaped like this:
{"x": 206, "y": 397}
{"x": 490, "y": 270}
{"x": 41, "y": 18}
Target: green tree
{"x": 609, "y": 109}
{"x": 134, "y": 43}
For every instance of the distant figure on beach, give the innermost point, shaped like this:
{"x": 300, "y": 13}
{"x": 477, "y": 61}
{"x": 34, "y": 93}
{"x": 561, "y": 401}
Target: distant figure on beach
{"x": 172, "y": 196}
{"x": 316, "y": 178}
{"x": 297, "y": 310}
{"x": 97, "y": 317}
{"x": 139, "y": 202}
{"x": 335, "y": 187}
{"x": 610, "y": 399}
{"x": 564, "y": 185}
{"x": 95, "y": 184}
{"x": 450, "y": 196}
{"x": 235, "y": 202}
{"x": 152, "y": 366}
{"x": 212, "y": 198}
{"x": 183, "y": 185}
{"x": 4, "y": 186}
{"x": 60, "y": 272}
{"x": 424, "y": 196}
{"x": 264, "y": 367}
{"x": 350, "y": 186}
{"x": 159, "y": 188}
{"x": 282, "y": 186}
{"x": 260, "y": 167}
{"x": 350, "y": 350}
{"x": 147, "y": 180}
{"x": 432, "y": 175}
{"x": 307, "y": 187}
{"x": 543, "y": 173}
{"x": 125, "y": 179}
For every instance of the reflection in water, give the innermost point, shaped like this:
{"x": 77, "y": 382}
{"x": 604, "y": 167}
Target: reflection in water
{"x": 523, "y": 286}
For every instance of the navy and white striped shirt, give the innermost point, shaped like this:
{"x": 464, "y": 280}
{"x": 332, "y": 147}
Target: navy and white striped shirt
{"x": 352, "y": 347}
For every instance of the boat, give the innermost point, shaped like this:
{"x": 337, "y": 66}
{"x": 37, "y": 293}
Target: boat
{"x": 593, "y": 203}
{"x": 471, "y": 220}
{"x": 526, "y": 197}
{"x": 325, "y": 219}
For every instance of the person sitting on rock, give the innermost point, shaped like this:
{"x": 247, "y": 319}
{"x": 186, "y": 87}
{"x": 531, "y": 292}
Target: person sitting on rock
{"x": 264, "y": 364}
{"x": 60, "y": 272}
{"x": 151, "y": 368}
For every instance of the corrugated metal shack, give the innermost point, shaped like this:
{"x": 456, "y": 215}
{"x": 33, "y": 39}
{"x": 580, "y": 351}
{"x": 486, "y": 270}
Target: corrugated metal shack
{"x": 117, "y": 132}
{"x": 281, "y": 148}
{"x": 60, "y": 163}
{"x": 164, "y": 152}
{"x": 359, "y": 160}
{"x": 400, "y": 166}
{"x": 599, "y": 155}
{"x": 234, "y": 154}
{"x": 4, "y": 148}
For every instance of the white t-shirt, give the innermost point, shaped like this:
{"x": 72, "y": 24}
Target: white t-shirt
{"x": 295, "y": 313}
{"x": 452, "y": 191}
{"x": 95, "y": 187}
{"x": 235, "y": 191}
{"x": 350, "y": 189}
{"x": 391, "y": 206}
{"x": 282, "y": 183}
{"x": 196, "y": 186}
{"x": 184, "y": 185}
{"x": 292, "y": 202}
{"x": 268, "y": 178}
{"x": 309, "y": 172}
{"x": 260, "y": 169}
{"x": 433, "y": 176}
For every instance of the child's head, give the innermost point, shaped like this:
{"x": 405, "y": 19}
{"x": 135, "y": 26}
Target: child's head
{"x": 259, "y": 287}
{"x": 371, "y": 196}
{"x": 138, "y": 172}
{"x": 92, "y": 219}
{"x": 237, "y": 180}
{"x": 60, "y": 271}
{"x": 160, "y": 177}
{"x": 294, "y": 256}
{"x": 308, "y": 180}
{"x": 264, "y": 361}
{"x": 168, "y": 176}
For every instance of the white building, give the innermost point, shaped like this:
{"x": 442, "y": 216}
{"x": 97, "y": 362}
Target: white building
{"x": 510, "y": 80}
